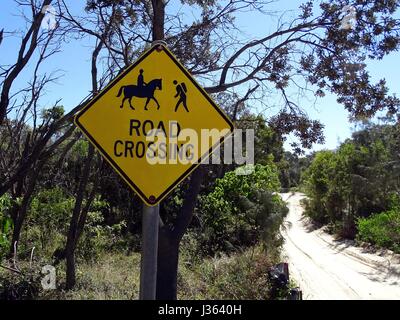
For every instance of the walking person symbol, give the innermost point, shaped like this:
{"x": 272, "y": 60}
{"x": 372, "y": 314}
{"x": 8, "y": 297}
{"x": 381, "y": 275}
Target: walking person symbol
{"x": 181, "y": 92}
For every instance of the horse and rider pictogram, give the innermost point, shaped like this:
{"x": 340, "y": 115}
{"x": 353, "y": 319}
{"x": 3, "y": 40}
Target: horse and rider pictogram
{"x": 141, "y": 90}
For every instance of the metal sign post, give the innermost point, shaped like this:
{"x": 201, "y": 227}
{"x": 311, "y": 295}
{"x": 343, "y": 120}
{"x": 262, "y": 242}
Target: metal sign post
{"x": 148, "y": 263}
{"x": 148, "y": 267}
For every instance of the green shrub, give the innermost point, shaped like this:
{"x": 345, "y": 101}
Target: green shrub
{"x": 357, "y": 180}
{"x": 98, "y": 236}
{"x": 114, "y": 276}
{"x": 317, "y": 180}
{"x": 242, "y": 210}
{"x": 240, "y": 276}
{"x": 5, "y": 224}
{"x": 382, "y": 229}
{"x": 19, "y": 287}
{"x": 191, "y": 249}
{"x": 47, "y": 221}
{"x": 24, "y": 283}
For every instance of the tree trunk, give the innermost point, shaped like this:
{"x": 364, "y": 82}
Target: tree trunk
{"x": 71, "y": 272}
{"x": 169, "y": 240}
{"x": 79, "y": 216}
{"x": 158, "y": 19}
{"x": 70, "y": 254}
{"x": 167, "y": 266}
{"x": 73, "y": 227}
{"x": 15, "y": 237}
{"x": 20, "y": 213}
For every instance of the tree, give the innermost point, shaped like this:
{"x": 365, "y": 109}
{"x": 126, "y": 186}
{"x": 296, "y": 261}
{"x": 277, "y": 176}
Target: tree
{"x": 359, "y": 179}
{"x": 80, "y": 212}
{"x": 28, "y": 141}
{"x": 317, "y": 180}
{"x": 30, "y": 42}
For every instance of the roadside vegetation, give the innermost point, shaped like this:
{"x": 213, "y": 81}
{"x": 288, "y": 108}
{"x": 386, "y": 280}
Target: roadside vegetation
{"x": 232, "y": 243}
{"x": 355, "y": 190}
{"x": 243, "y": 275}
{"x": 115, "y": 276}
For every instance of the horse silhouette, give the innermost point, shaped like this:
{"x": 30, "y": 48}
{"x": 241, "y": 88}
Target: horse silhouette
{"x": 145, "y": 92}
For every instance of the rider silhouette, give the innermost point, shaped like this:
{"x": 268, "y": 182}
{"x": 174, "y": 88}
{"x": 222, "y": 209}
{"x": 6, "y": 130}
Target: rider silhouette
{"x": 140, "y": 80}
{"x": 181, "y": 92}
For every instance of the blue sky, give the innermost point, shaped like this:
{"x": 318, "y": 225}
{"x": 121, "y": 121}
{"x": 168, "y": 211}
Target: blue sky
{"x": 74, "y": 65}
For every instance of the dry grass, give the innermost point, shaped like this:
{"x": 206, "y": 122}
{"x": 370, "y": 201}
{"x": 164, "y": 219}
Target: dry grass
{"x": 112, "y": 277}
{"x": 237, "y": 277}
{"x": 116, "y": 277}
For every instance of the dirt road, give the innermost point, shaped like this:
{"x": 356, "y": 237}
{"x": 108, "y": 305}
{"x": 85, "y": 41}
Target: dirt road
{"x": 326, "y": 268}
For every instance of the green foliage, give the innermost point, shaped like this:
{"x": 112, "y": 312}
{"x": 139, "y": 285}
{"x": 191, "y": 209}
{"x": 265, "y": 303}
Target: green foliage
{"x": 24, "y": 284}
{"x": 360, "y": 179}
{"x": 19, "y": 287}
{"x": 317, "y": 179}
{"x": 345, "y": 65}
{"x": 80, "y": 149}
{"x": 114, "y": 276}
{"x": 240, "y": 210}
{"x": 268, "y": 211}
{"x": 5, "y": 224}
{"x": 382, "y": 229}
{"x": 267, "y": 141}
{"x": 54, "y": 113}
{"x": 48, "y": 221}
{"x": 291, "y": 167}
{"x": 191, "y": 248}
{"x": 240, "y": 276}
{"x": 98, "y": 236}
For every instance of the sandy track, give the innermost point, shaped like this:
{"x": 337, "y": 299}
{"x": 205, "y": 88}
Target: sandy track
{"x": 325, "y": 268}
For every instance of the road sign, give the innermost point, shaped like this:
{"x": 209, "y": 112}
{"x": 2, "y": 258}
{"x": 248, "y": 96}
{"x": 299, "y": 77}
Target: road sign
{"x": 147, "y": 120}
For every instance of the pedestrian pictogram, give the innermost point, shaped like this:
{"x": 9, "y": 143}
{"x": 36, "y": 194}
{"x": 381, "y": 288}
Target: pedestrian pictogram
{"x": 154, "y": 124}
{"x": 181, "y": 94}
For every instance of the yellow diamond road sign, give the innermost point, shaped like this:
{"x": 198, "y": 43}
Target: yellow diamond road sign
{"x": 154, "y": 124}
